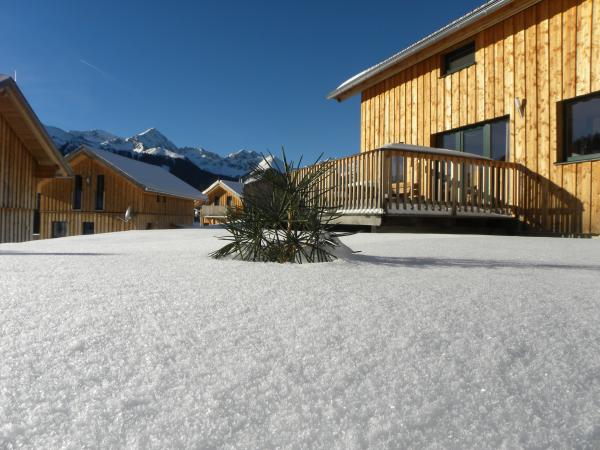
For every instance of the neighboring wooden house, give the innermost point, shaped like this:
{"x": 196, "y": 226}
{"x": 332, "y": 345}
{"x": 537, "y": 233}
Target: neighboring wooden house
{"x": 110, "y": 192}
{"x": 515, "y": 82}
{"x": 27, "y": 155}
{"x": 222, "y": 194}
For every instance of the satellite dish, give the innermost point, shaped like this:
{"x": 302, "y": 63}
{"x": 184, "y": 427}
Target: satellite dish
{"x": 128, "y": 215}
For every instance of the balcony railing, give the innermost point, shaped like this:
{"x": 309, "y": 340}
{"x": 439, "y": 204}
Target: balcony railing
{"x": 213, "y": 211}
{"x": 405, "y": 179}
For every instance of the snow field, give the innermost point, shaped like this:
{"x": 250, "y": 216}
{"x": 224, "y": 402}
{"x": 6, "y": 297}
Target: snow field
{"x": 138, "y": 339}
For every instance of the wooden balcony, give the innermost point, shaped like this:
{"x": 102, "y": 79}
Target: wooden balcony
{"x": 214, "y": 211}
{"x": 420, "y": 181}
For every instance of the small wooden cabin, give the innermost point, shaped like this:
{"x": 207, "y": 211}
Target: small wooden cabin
{"x": 222, "y": 194}
{"x": 27, "y": 155}
{"x": 515, "y": 83}
{"x": 109, "y": 193}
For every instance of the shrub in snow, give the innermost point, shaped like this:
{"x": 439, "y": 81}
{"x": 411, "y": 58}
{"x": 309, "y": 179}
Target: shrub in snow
{"x": 283, "y": 217}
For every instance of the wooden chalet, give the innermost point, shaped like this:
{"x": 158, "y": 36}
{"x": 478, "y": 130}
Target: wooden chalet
{"x": 27, "y": 156}
{"x": 109, "y": 193}
{"x": 222, "y": 194}
{"x": 511, "y": 90}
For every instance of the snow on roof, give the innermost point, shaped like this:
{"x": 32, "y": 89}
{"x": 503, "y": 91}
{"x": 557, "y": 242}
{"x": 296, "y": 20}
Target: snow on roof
{"x": 235, "y": 187}
{"x": 150, "y": 177}
{"x": 472, "y": 16}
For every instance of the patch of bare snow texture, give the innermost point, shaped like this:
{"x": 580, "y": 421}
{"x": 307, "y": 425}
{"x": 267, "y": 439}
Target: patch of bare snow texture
{"x": 139, "y": 339}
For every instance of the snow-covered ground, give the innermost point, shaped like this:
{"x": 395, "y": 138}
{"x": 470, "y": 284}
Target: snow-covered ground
{"x": 138, "y": 339}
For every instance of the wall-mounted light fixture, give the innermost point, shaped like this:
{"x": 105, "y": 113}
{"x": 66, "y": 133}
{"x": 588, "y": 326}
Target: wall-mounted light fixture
{"x": 520, "y": 105}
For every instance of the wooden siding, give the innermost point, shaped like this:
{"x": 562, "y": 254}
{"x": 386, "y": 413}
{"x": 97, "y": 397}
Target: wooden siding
{"x": 17, "y": 187}
{"x": 119, "y": 194}
{"x": 546, "y": 53}
{"x": 223, "y": 193}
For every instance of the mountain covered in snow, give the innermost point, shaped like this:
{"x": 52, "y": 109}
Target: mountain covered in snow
{"x": 152, "y": 146}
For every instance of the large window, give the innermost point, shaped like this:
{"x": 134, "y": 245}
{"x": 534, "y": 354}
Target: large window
{"x": 459, "y": 59}
{"x": 582, "y": 128}
{"x": 487, "y": 139}
{"x": 77, "y": 192}
{"x": 100, "y": 192}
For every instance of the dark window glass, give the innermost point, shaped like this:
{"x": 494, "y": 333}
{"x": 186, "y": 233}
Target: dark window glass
{"x": 582, "y": 127}
{"x": 229, "y": 200}
{"x": 499, "y": 132}
{"x": 158, "y": 199}
{"x": 36, "y": 214}
{"x": 487, "y": 139}
{"x": 100, "y": 192}
{"x": 473, "y": 141}
{"x": 217, "y": 200}
{"x": 450, "y": 141}
{"x": 459, "y": 58}
{"x": 88, "y": 228}
{"x": 164, "y": 199}
{"x": 397, "y": 169}
{"x": 77, "y": 192}
{"x": 59, "y": 229}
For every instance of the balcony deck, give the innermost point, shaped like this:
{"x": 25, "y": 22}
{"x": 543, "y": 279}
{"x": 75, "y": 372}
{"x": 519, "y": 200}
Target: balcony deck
{"x": 407, "y": 180}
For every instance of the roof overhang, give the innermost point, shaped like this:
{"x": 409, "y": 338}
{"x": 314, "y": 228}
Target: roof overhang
{"x": 18, "y": 113}
{"x": 483, "y": 17}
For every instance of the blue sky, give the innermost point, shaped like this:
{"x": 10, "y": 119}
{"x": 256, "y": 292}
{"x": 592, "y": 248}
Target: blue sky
{"x": 224, "y": 75}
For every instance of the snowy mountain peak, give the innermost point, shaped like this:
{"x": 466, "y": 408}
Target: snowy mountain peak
{"x": 152, "y": 138}
{"x": 152, "y": 142}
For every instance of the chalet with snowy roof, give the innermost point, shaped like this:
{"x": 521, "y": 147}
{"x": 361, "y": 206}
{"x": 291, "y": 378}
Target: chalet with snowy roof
{"x": 27, "y": 156}
{"x": 511, "y": 91}
{"x": 222, "y": 194}
{"x": 109, "y": 193}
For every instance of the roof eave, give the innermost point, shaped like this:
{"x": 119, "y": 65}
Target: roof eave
{"x": 12, "y": 89}
{"x": 359, "y": 82}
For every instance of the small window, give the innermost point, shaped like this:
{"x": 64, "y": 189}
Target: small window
{"x": 459, "y": 59}
{"x": 77, "y": 192}
{"x": 100, "y": 192}
{"x": 164, "y": 199}
{"x": 217, "y": 200}
{"x": 582, "y": 128}
{"x": 87, "y": 228}
{"x": 158, "y": 199}
{"x": 59, "y": 229}
{"x": 229, "y": 200}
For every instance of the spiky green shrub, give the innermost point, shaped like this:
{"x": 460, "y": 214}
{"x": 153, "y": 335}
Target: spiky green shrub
{"x": 284, "y": 217}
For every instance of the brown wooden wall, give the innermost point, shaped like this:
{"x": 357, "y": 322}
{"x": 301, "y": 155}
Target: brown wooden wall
{"x": 223, "y": 194}
{"x": 547, "y": 53}
{"x": 119, "y": 194}
{"x": 17, "y": 187}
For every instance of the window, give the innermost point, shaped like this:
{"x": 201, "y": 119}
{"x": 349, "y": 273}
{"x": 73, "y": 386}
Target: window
{"x": 59, "y": 229}
{"x": 217, "y": 200}
{"x": 77, "y": 192}
{"x": 582, "y": 128}
{"x": 459, "y": 59}
{"x": 487, "y": 139}
{"x": 229, "y": 200}
{"x": 164, "y": 199}
{"x": 100, "y": 192}
{"x": 36, "y": 214}
{"x": 158, "y": 199}
{"x": 87, "y": 228}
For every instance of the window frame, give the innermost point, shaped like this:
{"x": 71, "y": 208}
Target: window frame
{"x": 462, "y": 50}
{"x": 487, "y": 137}
{"x": 565, "y": 128}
